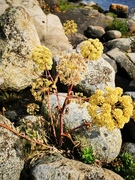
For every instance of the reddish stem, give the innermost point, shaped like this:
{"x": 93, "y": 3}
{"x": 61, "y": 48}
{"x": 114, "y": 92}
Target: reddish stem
{"x": 51, "y": 118}
{"x": 23, "y": 136}
{"x": 62, "y": 114}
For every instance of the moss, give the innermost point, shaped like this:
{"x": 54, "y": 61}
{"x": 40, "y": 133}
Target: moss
{"x": 65, "y": 5}
{"x": 118, "y": 24}
{"x": 124, "y": 166}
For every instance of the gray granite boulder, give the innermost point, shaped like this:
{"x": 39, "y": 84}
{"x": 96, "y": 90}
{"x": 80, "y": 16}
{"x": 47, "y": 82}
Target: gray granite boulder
{"x": 106, "y": 144}
{"x": 57, "y": 167}
{"x": 99, "y": 74}
{"x": 125, "y": 60}
{"x": 11, "y": 152}
{"x": 112, "y": 34}
{"x": 94, "y": 32}
{"x": 124, "y": 44}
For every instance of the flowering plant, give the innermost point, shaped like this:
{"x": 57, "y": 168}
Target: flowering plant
{"x": 43, "y": 57}
{"x": 71, "y": 68}
{"x": 91, "y": 49}
{"x": 41, "y": 87}
{"x": 110, "y": 108}
{"x": 70, "y": 27}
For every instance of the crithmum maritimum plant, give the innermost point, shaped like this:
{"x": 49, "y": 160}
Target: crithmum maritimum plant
{"x": 110, "y": 108}
{"x": 91, "y": 49}
{"x": 70, "y": 28}
{"x": 71, "y": 68}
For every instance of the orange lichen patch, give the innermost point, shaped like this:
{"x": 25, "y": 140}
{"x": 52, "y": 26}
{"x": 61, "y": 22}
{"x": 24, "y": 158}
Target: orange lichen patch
{"x": 119, "y": 8}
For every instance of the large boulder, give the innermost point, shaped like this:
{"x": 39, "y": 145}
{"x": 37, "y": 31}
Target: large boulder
{"x": 106, "y": 144}
{"x": 99, "y": 74}
{"x": 112, "y": 34}
{"x": 11, "y": 152}
{"x": 24, "y": 26}
{"x": 94, "y": 32}
{"x": 84, "y": 17}
{"x": 124, "y": 44}
{"x": 20, "y": 38}
{"x": 49, "y": 6}
{"x": 57, "y": 167}
{"x": 48, "y": 26}
{"x": 124, "y": 60}
{"x": 51, "y": 33}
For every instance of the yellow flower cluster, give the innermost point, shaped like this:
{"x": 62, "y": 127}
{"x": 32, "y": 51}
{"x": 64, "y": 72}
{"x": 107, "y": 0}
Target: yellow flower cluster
{"x": 110, "y": 108}
{"x": 43, "y": 57}
{"x": 32, "y": 108}
{"x": 71, "y": 68}
{"x": 41, "y": 87}
{"x": 70, "y": 27}
{"x": 91, "y": 49}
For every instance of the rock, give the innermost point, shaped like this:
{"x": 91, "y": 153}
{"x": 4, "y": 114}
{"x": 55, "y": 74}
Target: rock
{"x": 11, "y": 153}
{"x": 48, "y": 26}
{"x": 131, "y": 14}
{"x": 57, "y": 167}
{"x": 83, "y": 3}
{"x": 120, "y": 9}
{"x": 98, "y": 8}
{"x": 124, "y": 44}
{"x": 112, "y": 34}
{"x": 91, "y": 3}
{"x": 133, "y": 44}
{"x": 94, "y": 32}
{"x": 88, "y": 16}
{"x": 130, "y": 130}
{"x": 17, "y": 67}
{"x": 110, "y": 61}
{"x": 1, "y": 80}
{"x": 34, "y": 127}
{"x": 131, "y": 25}
{"x": 129, "y": 148}
{"x": 99, "y": 74}
{"x": 132, "y": 57}
{"x": 49, "y": 6}
{"x": 51, "y": 33}
{"x": 12, "y": 115}
{"x": 123, "y": 60}
{"x": 77, "y": 39}
{"x": 102, "y": 140}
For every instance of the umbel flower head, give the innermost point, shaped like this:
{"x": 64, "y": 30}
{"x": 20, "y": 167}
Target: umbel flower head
{"x": 70, "y": 27}
{"x": 91, "y": 49}
{"x": 43, "y": 57}
{"x": 110, "y": 108}
{"x": 71, "y": 68}
{"x": 41, "y": 87}
{"x": 133, "y": 115}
